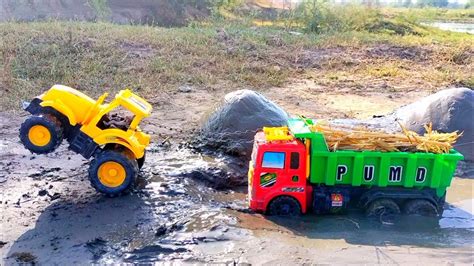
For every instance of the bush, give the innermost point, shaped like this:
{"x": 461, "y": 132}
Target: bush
{"x": 323, "y": 17}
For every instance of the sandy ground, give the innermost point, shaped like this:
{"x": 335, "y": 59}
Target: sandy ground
{"x": 51, "y": 215}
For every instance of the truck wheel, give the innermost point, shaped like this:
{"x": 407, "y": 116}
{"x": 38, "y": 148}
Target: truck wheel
{"x": 383, "y": 209}
{"x": 141, "y": 161}
{"x": 284, "y": 206}
{"x": 113, "y": 172}
{"x": 41, "y": 133}
{"x": 420, "y": 207}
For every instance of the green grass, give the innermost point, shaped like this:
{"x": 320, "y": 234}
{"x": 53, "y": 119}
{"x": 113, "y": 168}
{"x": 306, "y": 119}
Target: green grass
{"x": 323, "y": 17}
{"x": 218, "y": 55}
{"x": 97, "y": 56}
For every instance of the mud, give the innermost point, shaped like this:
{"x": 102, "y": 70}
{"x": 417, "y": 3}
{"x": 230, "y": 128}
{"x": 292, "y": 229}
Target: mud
{"x": 178, "y": 212}
{"x": 410, "y": 53}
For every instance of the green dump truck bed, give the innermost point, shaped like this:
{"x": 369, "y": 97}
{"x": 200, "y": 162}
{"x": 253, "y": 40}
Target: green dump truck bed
{"x": 374, "y": 168}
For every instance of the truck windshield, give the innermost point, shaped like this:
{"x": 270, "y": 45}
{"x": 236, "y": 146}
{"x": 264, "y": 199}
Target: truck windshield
{"x": 273, "y": 160}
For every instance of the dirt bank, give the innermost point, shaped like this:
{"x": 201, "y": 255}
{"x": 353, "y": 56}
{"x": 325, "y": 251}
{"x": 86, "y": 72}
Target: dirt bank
{"x": 152, "y": 12}
{"x": 50, "y": 213}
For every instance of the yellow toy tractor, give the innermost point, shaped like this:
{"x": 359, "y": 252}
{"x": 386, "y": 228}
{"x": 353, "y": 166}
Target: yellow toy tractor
{"x": 93, "y": 129}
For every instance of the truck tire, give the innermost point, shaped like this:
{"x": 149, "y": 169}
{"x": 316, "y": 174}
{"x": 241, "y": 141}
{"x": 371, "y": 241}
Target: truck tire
{"x": 383, "y": 209}
{"x": 420, "y": 207}
{"x": 41, "y": 134}
{"x": 284, "y": 206}
{"x": 113, "y": 172}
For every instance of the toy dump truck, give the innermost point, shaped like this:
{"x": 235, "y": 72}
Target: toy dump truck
{"x": 292, "y": 171}
{"x": 108, "y": 132}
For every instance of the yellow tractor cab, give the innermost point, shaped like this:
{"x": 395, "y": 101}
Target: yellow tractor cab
{"x": 109, "y": 132}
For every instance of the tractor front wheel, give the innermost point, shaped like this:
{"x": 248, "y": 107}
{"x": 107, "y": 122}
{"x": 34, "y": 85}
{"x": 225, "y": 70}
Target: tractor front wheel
{"x": 41, "y": 133}
{"x": 113, "y": 172}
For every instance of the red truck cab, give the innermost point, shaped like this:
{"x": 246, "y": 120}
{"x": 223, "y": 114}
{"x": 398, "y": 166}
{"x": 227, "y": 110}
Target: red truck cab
{"x": 278, "y": 173}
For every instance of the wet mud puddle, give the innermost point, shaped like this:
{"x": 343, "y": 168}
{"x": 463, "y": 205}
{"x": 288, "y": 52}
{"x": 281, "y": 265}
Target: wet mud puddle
{"x": 191, "y": 207}
{"x": 204, "y": 217}
{"x": 181, "y": 209}
{"x": 189, "y": 197}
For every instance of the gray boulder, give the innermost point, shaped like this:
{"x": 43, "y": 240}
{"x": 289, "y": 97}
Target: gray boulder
{"x": 449, "y": 110}
{"x": 233, "y": 125}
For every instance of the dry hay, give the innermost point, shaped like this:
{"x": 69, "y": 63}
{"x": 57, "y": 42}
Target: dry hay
{"x": 345, "y": 138}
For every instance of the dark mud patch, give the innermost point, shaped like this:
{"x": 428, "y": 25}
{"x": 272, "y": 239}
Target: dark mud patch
{"x": 97, "y": 247}
{"x": 50, "y": 172}
{"x": 158, "y": 249}
{"x": 401, "y": 52}
{"x": 137, "y": 50}
{"x": 181, "y": 245}
{"x": 216, "y": 178}
{"x": 326, "y": 57}
{"x": 214, "y": 168}
{"x": 214, "y": 147}
{"x": 24, "y": 257}
{"x": 463, "y": 57}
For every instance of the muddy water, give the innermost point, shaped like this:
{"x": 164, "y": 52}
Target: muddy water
{"x": 196, "y": 223}
{"x": 187, "y": 216}
{"x": 455, "y": 229}
{"x": 178, "y": 213}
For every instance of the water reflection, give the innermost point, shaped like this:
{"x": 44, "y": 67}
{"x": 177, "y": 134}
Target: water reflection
{"x": 459, "y": 217}
{"x": 454, "y": 229}
{"x": 453, "y": 26}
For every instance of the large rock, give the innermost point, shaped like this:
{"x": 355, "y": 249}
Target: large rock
{"x": 449, "y": 110}
{"x": 233, "y": 125}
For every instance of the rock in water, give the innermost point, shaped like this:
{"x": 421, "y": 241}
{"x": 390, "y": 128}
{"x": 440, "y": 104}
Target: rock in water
{"x": 233, "y": 125}
{"x": 449, "y": 110}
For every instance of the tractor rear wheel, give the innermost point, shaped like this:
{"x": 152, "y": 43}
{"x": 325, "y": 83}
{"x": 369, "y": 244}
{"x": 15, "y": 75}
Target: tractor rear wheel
{"x": 383, "y": 209}
{"x": 41, "y": 133}
{"x": 420, "y": 207}
{"x": 284, "y": 206}
{"x": 113, "y": 172}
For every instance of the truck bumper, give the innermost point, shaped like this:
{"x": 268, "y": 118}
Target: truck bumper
{"x": 256, "y": 205}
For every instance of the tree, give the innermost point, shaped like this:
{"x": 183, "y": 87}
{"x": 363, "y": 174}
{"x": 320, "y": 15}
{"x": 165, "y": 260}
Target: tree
{"x": 469, "y": 4}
